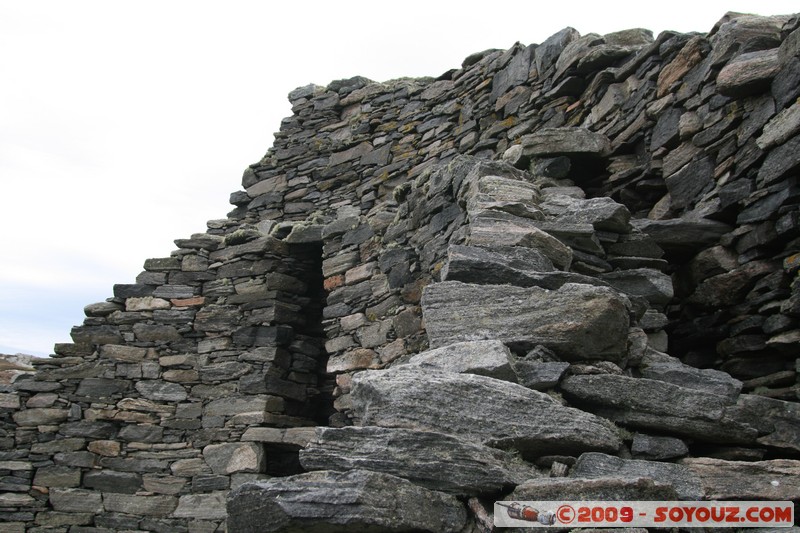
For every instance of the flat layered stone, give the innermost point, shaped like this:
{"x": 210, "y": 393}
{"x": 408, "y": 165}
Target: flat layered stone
{"x": 680, "y": 478}
{"x": 495, "y": 229}
{"x": 778, "y": 479}
{"x": 484, "y": 358}
{"x": 428, "y": 459}
{"x": 683, "y": 235}
{"x": 209, "y": 506}
{"x": 749, "y": 73}
{"x": 648, "y": 283}
{"x": 565, "y": 141}
{"x": 594, "y": 489}
{"x": 234, "y": 457}
{"x": 466, "y": 405}
{"x": 660, "y": 406}
{"x": 597, "y": 327}
{"x": 701, "y": 379}
{"x": 357, "y": 500}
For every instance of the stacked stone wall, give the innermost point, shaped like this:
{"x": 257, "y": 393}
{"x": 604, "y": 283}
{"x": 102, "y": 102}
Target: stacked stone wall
{"x": 597, "y": 230}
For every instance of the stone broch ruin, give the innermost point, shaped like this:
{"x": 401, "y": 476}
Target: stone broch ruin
{"x": 561, "y": 271}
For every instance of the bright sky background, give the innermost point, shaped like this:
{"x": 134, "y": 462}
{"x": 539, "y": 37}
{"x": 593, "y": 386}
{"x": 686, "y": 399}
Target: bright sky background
{"x": 126, "y": 124}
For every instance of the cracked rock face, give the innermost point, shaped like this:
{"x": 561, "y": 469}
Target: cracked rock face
{"x": 357, "y": 500}
{"x": 507, "y": 415}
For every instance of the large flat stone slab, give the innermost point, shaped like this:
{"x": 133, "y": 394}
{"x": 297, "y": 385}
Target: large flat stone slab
{"x": 511, "y": 265}
{"x": 576, "y": 321}
{"x": 477, "y": 408}
{"x": 778, "y": 479}
{"x": 338, "y": 502}
{"x": 593, "y": 489}
{"x": 426, "y": 458}
{"x": 565, "y": 141}
{"x": 598, "y": 465}
{"x": 660, "y": 406}
{"x": 485, "y": 358}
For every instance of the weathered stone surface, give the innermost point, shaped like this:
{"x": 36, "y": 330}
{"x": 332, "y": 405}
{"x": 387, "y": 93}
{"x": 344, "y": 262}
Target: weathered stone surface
{"x": 76, "y": 501}
{"x": 781, "y": 128}
{"x": 539, "y": 375}
{"x": 484, "y": 358}
{"x": 602, "y": 213}
{"x": 39, "y": 417}
{"x": 161, "y": 391}
{"x": 546, "y": 54}
{"x": 706, "y": 379}
{"x": 594, "y": 489}
{"x": 778, "y": 479}
{"x": 209, "y": 506}
{"x": 651, "y": 284}
{"x": 492, "y": 229}
{"x": 431, "y": 460}
{"x": 234, "y": 457}
{"x": 681, "y": 478}
{"x": 597, "y": 329}
{"x": 157, "y": 506}
{"x": 565, "y": 141}
{"x": 111, "y": 481}
{"x": 688, "y": 184}
{"x": 780, "y": 161}
{"x": 463, "y": 404}
{"x": 657, "y": 448}
{"x": 659, "y": 406}
{"x": 338, "y": 502}
{"x": 682, "y": 235}
{"x": 748, "y": 73}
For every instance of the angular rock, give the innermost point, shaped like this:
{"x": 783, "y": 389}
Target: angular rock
{"x": 651, "y": 284}
{"x": 777, "y": 421}
{"x": 157, "y": 506}
{"x": 682, "y": 236}
{"x": 76, "y": 501}
{"x": 492, "y": 229}
{"x": 598, "y": 465}
{"x": 778, "y": 479}
{"x": 781, "y": 128}
{"x": 111, "y": 481}
{"x": 468, "y": 405}
{"x": 780, "y": 162}
{"x": 565, "y": 141}
{"x": 749, "y": 73}
{"x": 428, "y": 459}
{"x": 161, "y": 391}
{"x": 40, "y": 417}
{"x": 209, "y": 506}
{"x": 546, "y": 54}
{"x": 484, "y": 358}
{"x": 512, "y": 265}
{"x": 656, "y": 448}
{"x": 655, "y": 405}
{"x": 689, "y": 183}
{"x": 603, "y": 214}
{"x": 705, "y": 380}
{"x": 539, "y": 375}
{"x": 234, "y": 457}
{"x": 597, "y": 327}
{"x": 594, "y": 489}
{"x": 357, "y": 500}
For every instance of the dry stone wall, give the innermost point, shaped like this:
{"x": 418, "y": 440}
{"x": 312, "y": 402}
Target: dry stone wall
{"x": 564, "y": 268}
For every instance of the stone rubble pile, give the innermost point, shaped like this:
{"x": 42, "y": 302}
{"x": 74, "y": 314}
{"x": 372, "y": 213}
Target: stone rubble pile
{"x": 566, "y": 269}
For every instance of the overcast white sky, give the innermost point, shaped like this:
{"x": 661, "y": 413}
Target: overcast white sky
{"x": 126, "y": 124}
